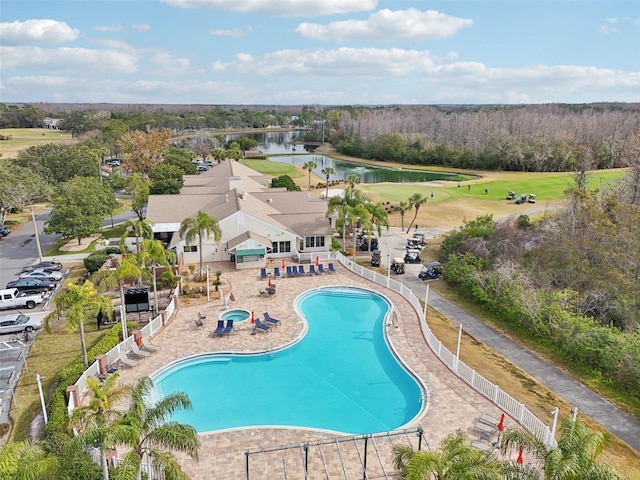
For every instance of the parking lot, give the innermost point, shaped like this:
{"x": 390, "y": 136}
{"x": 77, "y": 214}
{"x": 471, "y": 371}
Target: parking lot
{"x": 12, "y": 361}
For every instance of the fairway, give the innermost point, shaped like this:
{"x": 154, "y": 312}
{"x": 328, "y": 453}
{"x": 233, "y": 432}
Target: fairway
{"x": 21, "y": 138}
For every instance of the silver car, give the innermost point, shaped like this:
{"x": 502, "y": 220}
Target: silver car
{"x": 44, "y": 274}
{"x": 19, "y": 322}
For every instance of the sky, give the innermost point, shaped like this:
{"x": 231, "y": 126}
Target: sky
{"x": 327, "y": 52}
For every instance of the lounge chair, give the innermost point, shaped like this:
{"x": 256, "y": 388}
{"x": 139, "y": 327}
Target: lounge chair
{"x": 146, "y": 345}
{"x": 263, "y": 274}
{"x": 321, "y": 269}
{"x": 276, "y": 272}
{"x": 219, "y": 329}
{"x": 126, "y": 361}
{"x": 331, "y": 269}
{"x": 139, "y": 353}
{"x": 312, "y": 270}
{"x": 269, "y": 319}
{"x": 229, "y": 328}
{"x": 261, "y": 326}
{"x": 301, "y": 270}
{"x": 290, "y": 271}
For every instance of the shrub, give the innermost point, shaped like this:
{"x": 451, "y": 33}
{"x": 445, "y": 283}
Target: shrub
{"x": 94, "y": 261}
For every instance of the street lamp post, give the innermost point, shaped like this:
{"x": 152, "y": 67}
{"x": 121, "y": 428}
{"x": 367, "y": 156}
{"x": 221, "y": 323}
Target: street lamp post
{"x": 42, "y": 403}
{"x": 35, "y": 228}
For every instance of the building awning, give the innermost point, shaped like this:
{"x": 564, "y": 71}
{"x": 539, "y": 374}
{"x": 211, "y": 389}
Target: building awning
{"x": 251, "y": 251}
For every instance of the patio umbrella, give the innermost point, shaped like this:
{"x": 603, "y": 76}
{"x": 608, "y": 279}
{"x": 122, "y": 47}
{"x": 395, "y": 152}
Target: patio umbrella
{"x": 317, "y": 261}
{"x": 500, "y": 426}
{"x": 269, "y": 281}
{"x": 283, "y": 264}
{"x": 520, "y": 459}
{"x": 253, "y": 318}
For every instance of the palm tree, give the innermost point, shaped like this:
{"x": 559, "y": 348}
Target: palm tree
{"x": 200, "y": 225}
{"x": 310, "y": 166}
{"x": 352, "y": 179}
{"x": 27, "y": 461}
{"x": 97, "y": 421}
{"x": 378, "y": 218}
{"x": 327, "y": 172}
{"x": 150, "y": 433}
{"x": 402, "y": 209}
{"x": 416, "y": 201}
{"x": 456, "y": 460}
{"x": 78, "y": 302}
{"x": 140, "y": 227}
{"x": 573, "y": 458}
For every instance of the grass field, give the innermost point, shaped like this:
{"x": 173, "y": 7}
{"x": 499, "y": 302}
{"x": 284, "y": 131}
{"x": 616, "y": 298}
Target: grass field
{"x": 21, "y": 138}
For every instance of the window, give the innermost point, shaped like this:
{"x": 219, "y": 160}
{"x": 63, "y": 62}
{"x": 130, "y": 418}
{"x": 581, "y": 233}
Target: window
{"x": 311, "y": 242}
{"x": 281, "y": 247}
{"x": 190, "y": 248}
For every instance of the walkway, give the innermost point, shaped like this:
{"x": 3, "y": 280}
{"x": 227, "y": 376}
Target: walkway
{"x": 591, "y": 404}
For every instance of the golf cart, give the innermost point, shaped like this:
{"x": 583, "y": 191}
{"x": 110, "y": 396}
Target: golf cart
{"x": 413, "y": 255}
{"x": 532, "y": 198}
{"x": 397, "y": 266}
{"x": 364, "y": 244}
{"x": 521, "y": 199}
{"x": 430, "y": 271}
{"x": 375, "y": 258}
{"x": 511, "y": 195}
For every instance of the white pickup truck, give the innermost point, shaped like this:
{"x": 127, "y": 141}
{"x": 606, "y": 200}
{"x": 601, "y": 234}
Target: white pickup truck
{"x": 14, "y": 298}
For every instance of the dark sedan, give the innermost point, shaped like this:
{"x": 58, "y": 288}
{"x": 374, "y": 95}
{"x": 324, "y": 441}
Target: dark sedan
{"x": 4, "y": 231}
{"x": 32, "y": 284}
{"x": 42, "y": 265}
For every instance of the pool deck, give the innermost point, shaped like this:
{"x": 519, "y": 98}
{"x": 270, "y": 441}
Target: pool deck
{"x": 451, "y": 403}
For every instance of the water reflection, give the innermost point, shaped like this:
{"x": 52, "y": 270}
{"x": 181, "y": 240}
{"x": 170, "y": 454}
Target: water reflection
{"x": 279, "y": 143}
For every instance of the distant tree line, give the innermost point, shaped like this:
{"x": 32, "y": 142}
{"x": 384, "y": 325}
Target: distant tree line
{"x": 524, "y": 138}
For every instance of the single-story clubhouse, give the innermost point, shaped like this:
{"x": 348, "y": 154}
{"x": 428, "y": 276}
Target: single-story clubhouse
{"x": 257, "y": 222}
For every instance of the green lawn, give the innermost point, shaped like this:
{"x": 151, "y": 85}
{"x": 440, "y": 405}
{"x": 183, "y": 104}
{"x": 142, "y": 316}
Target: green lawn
{"x": 273, "y": 169}
{"x": 21, "y": 138}
{"x": 546, "y": 186}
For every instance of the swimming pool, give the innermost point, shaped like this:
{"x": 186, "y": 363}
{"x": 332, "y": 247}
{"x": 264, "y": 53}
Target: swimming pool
{"x": 341, "y": 376}
{"x": 237, "y": 315}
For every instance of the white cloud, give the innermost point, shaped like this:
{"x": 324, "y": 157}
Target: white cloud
{"x": 67, "y": 59}
{"x": 357, "y": 62}
{"x": 36, "y": 31}
{"x": 610, "y": 26}
{"x": 236, "y": 32}
{"x": 107, "y": 28}
{"x": 141, "y": 27}
{"x": 281, "y": 8}
{"x": 388, "y": 25}
{"x": 166, "y": 60}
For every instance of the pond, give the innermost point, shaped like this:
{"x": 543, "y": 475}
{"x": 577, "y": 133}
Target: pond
{"x": 278, "y": 144}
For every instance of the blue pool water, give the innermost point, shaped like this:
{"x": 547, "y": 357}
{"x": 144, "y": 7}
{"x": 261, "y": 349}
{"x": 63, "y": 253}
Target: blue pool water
{"x": 341, "y": 376}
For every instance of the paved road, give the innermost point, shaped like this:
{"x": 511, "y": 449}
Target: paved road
{"x": 619, "y": 423}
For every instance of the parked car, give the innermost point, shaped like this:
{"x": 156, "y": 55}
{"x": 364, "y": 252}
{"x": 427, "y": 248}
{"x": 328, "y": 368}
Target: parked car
{"x": 32, "y": 284}
{"x": 43, "y": 274}
{"x": 115, "y": 162}
{"x": 521, "y": 199}
{"x": 46, "y": 264}
{"x": 511, "y": 195}
{"x": 532, "y": 198}
{"x": 14, "y": 298}
{"x": 18, "y": 322}
{"x": 203, "y": 168}
{"x": 430, "y": 271}
{"x": 4, "y": 231}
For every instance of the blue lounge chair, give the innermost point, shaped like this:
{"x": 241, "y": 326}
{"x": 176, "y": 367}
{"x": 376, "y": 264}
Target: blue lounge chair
{"x": 276, "y": 272}
{"x": 301, "y": 270}
{"x": 229, "y": 328}
{"x": 312, "y": 270}
{"x": 321, "y": 269}
{"x": 219, "y": 329}
{"x": 289, "y": 271}
{"x": 269, "y": 319}
{"x": 261, "y": 326}
{"x": 331, "y": 269}
{"x": 263, "y": 273}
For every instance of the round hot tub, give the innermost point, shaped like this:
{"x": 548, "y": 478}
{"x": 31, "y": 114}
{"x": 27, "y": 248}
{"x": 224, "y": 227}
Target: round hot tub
{"x": 237, "y": 315}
